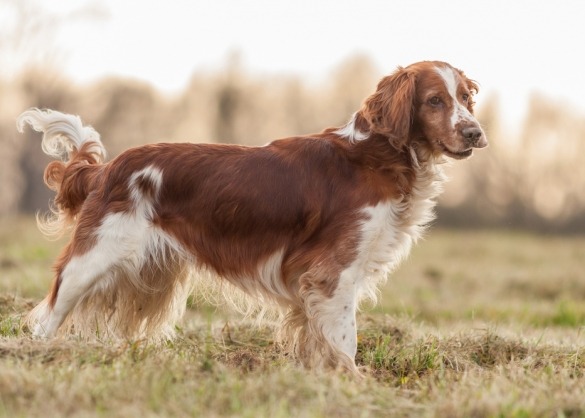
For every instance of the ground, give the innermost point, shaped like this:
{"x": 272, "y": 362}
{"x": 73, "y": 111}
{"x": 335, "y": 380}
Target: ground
{"x": 473, "y": 324}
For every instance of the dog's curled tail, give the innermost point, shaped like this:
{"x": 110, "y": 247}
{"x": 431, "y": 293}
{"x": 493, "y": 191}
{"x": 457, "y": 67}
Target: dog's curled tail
{"x": 79, "y": 155}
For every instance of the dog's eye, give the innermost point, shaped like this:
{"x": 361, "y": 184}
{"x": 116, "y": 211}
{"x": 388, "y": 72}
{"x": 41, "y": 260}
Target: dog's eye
{"x": 465, "y": 97}
{"x": 435, "y": 101}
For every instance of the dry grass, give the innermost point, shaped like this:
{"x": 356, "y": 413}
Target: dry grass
{"x": 475, "y": 324}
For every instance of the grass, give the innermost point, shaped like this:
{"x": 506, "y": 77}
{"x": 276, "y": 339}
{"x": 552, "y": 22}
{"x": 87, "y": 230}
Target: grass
{"x": 474, "y": 324}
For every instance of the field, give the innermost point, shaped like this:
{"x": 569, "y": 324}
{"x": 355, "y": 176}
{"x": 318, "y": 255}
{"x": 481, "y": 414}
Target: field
{"x": 474, "y": 324}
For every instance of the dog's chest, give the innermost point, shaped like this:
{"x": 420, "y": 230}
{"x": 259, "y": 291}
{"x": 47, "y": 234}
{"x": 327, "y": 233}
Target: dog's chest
{"x": 391, "y": 227}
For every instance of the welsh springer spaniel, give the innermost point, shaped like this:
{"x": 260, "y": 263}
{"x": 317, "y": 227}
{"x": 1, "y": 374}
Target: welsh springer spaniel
{"x": 312, "y": 224}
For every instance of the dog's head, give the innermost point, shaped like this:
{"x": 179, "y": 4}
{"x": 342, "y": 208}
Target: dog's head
{"x": 429, "y": 102}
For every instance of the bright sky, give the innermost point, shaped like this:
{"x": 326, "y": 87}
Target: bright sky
{"x": 512, "y": 47}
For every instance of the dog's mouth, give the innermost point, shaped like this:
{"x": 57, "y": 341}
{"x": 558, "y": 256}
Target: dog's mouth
{"x": 458, "y": 155}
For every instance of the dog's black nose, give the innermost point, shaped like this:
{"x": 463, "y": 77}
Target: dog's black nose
{"x": 472, "y": 134}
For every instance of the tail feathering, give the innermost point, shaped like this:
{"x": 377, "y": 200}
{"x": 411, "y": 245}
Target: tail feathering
{"x": 63, "y": 134}
{"x": 74, "y": 146}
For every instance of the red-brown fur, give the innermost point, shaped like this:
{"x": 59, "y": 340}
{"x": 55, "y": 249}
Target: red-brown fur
{"x": 230, "y": 208}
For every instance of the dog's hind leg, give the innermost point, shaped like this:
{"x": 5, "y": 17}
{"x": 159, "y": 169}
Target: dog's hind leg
{"x": 73, "y": 282}
{"x": 89, "y": 259}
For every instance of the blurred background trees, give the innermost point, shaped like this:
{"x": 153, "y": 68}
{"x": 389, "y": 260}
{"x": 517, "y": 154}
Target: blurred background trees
{"x": 530, "y": 177}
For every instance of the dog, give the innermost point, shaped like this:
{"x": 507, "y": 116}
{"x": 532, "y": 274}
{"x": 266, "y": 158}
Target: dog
{"x": 311, "y": 224}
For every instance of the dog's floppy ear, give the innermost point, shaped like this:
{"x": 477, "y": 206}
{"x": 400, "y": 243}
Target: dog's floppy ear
{"x": 389, "y": 111}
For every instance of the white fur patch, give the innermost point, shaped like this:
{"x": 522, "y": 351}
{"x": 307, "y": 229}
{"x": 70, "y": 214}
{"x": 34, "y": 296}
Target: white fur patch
{"x": 392, "y": 227}
{"x": 62, "y": 133}
{"x": 350, "y": 132}
{"x": 383, "y": 245}
{"x": 154, "y": 176}
{"x": 337, "y": 315}
{"x": 448, "y": 76}
{"x": 125, "y": 241}
{"x": 131, "y": 239}
{"x": 460, "y": 112}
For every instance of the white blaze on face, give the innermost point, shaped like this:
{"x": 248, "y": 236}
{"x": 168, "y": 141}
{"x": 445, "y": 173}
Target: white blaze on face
{"x": 460, "y": 112}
